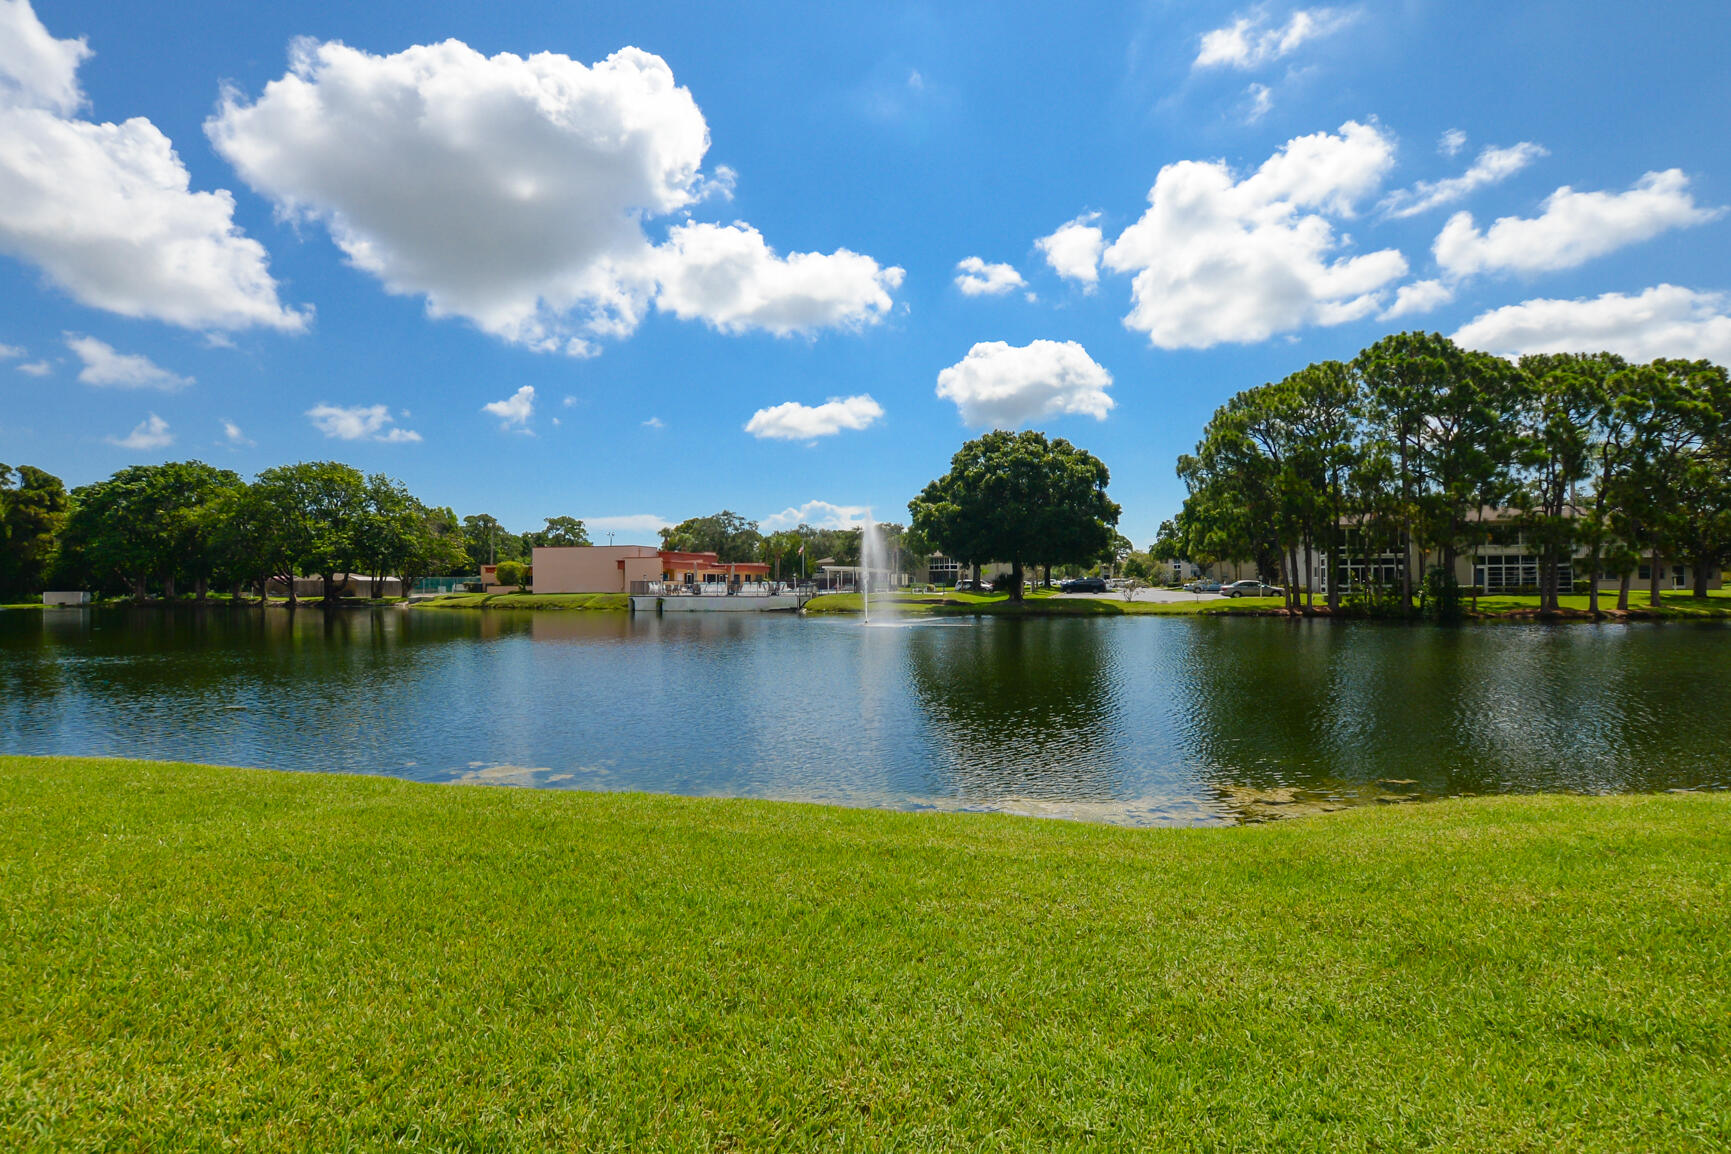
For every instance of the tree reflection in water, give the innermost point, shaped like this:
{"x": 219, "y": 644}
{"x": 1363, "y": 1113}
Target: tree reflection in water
{"x": 1476, "y": 709}
{"x": 1022, "y": 709}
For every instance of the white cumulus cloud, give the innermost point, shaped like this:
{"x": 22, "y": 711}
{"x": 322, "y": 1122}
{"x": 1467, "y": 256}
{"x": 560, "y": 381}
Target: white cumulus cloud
{"x": 11, "y": 352}
{"x": 533, "y": 179}
{"x": 359, "y": 423}
{"x": 36, "y": 368}
{"x": 37, "y": 70}
{"x": 1252, "y": 41}
{"x": 106, "y": 368}
{"x": 1074, "y": 250}
{"x": 1663, "y": 321}
{"x": 106, "y": 211}
{"x": 1574, "y": 227}
{"x": 819, "y": 515}
{"x": 515, "y": 410}
{"x": 1219, "y": 259}
{"x": 1451, "y": 142}
{"x": 1421, "y": 296}
{"x": 793, "y": 421}
{"x": 977, "y": 278}
{"x": 1493, "y": 165}
{"x": 149, "y": 434}
{"x": 1003, "y": 385}
{"x": 729, "y": 278}
{"x": 233, "y": 436}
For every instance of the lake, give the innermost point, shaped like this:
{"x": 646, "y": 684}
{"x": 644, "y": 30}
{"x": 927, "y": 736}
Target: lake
{"x": 1132, "y": 720}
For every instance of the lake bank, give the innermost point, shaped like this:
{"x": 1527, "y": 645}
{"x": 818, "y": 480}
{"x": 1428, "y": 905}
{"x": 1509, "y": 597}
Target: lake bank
{"x": 199, "y": 955}
{"x": 1675, "y": 606}
{"x": 589, "y": 602}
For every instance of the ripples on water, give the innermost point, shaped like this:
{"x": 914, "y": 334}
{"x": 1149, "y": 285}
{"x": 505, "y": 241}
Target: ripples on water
{"x": 1139, "y": 720}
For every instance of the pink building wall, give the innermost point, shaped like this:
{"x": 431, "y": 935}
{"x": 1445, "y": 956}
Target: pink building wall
{"x": 594, "y": 568}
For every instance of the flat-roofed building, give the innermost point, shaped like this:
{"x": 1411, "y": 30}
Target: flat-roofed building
{"x": 616, "y": 568}
{"x": 1498, "y": 554}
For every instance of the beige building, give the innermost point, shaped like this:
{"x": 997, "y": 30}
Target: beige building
{"x": 594, "y": 568}
{"x": 614, "y": 568}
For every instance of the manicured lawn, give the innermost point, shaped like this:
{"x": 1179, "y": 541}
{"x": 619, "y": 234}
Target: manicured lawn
{"x": 964, "y": 604}
{"x": 1674, "y": 604}
{"x": 593, "y": 601}
{"x": 1679, "y": 605}
{"x": 1038, "y": 604}
{"x": 202, "y": 957}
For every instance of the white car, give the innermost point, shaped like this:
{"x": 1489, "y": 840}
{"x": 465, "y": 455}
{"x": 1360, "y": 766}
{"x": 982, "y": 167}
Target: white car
{"x": 1251, "y": 589}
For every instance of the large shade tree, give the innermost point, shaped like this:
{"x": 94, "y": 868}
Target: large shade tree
{"x": 148, "y": 523}
{"x": 726, "y": 534}
{"x": 559, "y": 532}
{"x": 33, "y": 507}
{"x": 487, "y": 542}
{"x": 1019, "y": 498}
{"x": 320, "y": 512}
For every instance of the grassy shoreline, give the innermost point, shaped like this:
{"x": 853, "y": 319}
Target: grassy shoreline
{"x": 198, "y": 956}
{"x": 588, "y": 602}
{"x": 1675, "y": 606}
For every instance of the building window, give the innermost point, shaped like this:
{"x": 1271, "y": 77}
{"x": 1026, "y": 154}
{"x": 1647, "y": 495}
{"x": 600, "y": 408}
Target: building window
{"x": 1382, "y": 570}
{"x": 1506, "y": 572}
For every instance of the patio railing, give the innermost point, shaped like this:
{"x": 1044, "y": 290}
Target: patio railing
{"x": 710, "y": 588}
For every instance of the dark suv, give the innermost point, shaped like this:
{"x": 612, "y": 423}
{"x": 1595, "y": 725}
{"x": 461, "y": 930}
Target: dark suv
{"x": 1083, "y": 585}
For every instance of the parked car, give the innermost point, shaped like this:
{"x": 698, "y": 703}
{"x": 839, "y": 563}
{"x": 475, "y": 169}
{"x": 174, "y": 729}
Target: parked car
{"x": 1251, "y": 589}
{"x": 968, "y": 585}
{"x": 1203, "y": 586}
{"x": 1083, "y": 585}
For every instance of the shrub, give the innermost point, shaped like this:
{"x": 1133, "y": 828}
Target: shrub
{"x": 511, "y": 573}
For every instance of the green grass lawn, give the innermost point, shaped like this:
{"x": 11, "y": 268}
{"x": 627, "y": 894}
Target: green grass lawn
{"x": 592, "y": 601}
{"x": 198, "y": 957}
{"x": 1038, "y": 604}
{"x": 1676, "y": 605}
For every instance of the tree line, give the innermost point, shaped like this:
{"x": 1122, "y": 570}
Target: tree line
{"x": 1402, "y": 451}
{"x": 794, "y": 553}
{"x": 1017, "y": 498}
{"x": 188, "y": 527}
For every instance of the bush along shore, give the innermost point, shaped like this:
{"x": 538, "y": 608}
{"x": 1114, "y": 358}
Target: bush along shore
{"x": 204, "y": 957}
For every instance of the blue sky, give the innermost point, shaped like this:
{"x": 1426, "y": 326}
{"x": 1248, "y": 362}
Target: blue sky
{"x": 638, "y": 263}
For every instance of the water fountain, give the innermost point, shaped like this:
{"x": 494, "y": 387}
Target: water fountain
{"x": 874, "y": 558}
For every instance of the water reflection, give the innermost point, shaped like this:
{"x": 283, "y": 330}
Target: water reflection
{"x": 1126, "y": 719}
{"x": 1022, "y": 709}
{"x": 1473, "y": 710}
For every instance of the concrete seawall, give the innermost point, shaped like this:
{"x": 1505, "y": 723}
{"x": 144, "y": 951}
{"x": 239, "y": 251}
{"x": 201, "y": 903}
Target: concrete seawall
{"x": 650, "y": 603}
